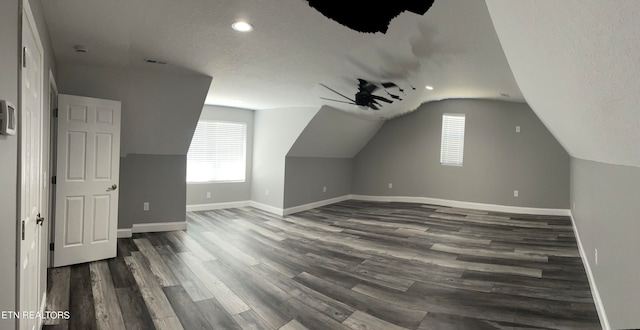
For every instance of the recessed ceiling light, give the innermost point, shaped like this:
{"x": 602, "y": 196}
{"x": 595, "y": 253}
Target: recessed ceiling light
{"x": 429, "y": 87}
{"x": 241, "y": 26}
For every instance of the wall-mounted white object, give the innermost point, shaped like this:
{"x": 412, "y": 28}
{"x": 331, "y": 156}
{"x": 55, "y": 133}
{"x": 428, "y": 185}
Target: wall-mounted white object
{"x": 8, "y": 118}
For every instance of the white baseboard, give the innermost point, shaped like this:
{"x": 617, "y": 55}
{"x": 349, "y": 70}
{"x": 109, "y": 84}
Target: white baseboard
{"x": 124, "y": 233}
{"x": 151, "y": 227}
{"x": 217, "y": 206}
{"x": 466, "y": 205}
{"x": 604, "y": 321}
{"x": 313, "y": 205}
{"x": 268, "y": 208}
{"x": 405, "y": 199}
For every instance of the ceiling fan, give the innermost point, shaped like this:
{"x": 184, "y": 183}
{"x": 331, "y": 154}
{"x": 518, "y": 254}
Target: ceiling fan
{"x": 365, "y": 96}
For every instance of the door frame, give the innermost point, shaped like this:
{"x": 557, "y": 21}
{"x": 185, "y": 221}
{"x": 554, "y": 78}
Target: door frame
{"x": 25, "y": 10}
{"x": 53, "y": 153}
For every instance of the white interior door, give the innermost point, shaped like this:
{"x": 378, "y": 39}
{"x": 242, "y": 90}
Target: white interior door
{"x": 31, "y": 177}
{"x": 87, "y": 174}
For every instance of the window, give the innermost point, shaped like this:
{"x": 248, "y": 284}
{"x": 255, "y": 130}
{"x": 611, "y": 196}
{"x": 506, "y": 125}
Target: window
{"x": 452, "y": 145}
{"x": 217, "y": 152}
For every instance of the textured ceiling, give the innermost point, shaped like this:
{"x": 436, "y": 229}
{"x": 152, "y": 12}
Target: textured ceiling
{"x": 578, "y": 66}
{"x": 292, "y": 49}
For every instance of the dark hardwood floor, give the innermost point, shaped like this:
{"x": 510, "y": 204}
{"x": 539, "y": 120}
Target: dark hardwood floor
{"x": 351, "y": 265}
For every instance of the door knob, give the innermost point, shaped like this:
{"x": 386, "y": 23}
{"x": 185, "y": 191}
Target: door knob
{"x": 39, "y": 220}
{"x": 113, "y": 187}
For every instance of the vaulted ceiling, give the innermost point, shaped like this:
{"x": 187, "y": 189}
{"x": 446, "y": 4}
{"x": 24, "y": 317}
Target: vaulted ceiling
{"x": 578, "y": 66}
{"x": 575, "y": 62}
{"x": 292, "y": 50}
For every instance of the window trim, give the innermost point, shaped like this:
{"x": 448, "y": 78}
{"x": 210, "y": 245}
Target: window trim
{"x": 442, "y": 139}
{"x": 245, "y": 126}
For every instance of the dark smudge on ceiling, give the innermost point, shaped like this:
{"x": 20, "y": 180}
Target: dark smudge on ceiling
{"x": 368, "y": 16}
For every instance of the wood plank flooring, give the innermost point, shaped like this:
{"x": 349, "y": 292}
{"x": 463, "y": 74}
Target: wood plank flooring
{"x": 350, "y": 265}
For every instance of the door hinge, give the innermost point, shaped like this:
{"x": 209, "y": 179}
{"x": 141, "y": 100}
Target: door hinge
{"x": 24, "y": 57}
{"x": 55, "y": 113}
{"x": 53, "y": 179}
{"x": 23, "y": 230}
{"x": 52, "y": 246}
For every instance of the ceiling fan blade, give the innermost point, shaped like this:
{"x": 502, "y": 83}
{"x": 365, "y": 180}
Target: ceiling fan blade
{"x": 367, "y": 86}
{"x": 333, "y": 90}
{"x": 381, "y": 98}
{"x": 388, "y": 84}
{"x": 394, "y": 96}
{"x": 373, "y": 106}
{"x": 324, "y": 98}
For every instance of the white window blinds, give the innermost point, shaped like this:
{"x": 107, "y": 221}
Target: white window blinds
{"x": 452, "y": 145}
{"x": 217, "y": 152}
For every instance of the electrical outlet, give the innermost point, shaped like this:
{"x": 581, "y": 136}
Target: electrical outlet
{"x": 324, "y": 189}
{"x": 517, "y": 129}
{"x": 515, "y": 193}
{"x": 208, "y": 194}
{"x": 390, "y": 185}
{"x": 266, "y": 193}
{"x": 596, "y": 256}
{"x": 145, "y": 206}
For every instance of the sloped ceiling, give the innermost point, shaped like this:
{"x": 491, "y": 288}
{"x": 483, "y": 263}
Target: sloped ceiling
{"x": 293, "y": 48}
{"x": 334, "y": 134}
{"x": 577, "y": 64}
{"x": 160, "y": 110}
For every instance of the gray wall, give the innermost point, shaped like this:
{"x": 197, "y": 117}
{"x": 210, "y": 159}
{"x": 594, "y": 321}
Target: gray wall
{"x": 9, "y": 14}
{"x": 306, "y": 176}
{"x": 157, "y": 179}
{"x": 322, "y": 156}
{"x": 224, "y": 192}
{"x": 275, "y": 131}
{"x": 607, "y": 217}
{"x": 497, "y": 160}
